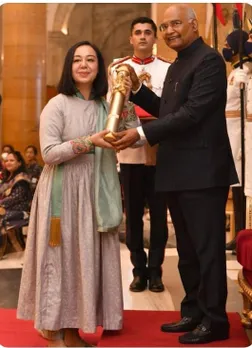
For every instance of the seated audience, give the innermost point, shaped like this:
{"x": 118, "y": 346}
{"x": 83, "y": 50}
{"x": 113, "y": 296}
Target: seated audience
{"x": 33, "y": 168}
{"x": 15, "y": 199}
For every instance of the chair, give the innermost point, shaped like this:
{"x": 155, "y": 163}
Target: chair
{"x": 244, "y": 257}
{"x": 230, "y": 214}
{"x": 13, "y": 238}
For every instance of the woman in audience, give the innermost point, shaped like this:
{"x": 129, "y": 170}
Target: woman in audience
{"x": 15, "y": 199}
{"x": 7, "y": 148}
{"x": 33, "y": 168}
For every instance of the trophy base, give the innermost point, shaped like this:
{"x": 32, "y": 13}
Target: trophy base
{"x": 110, "y": 137}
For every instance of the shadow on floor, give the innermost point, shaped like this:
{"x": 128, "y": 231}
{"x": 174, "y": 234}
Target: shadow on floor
{"x": 9, "y": 287}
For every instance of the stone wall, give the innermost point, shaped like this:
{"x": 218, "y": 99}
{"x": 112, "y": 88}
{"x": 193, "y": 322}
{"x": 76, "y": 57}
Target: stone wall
{"x": 107, "y": 26}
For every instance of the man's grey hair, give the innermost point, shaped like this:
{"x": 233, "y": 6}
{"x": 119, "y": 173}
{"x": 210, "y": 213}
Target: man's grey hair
{"x": 191, "y": 13}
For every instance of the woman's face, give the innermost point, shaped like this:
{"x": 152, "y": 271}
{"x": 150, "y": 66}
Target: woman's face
{"x": 11, "y": 163}
{"x": 29, "y": 154}
{"x": 6, "y": 149}
{"x": 85, "y": 65}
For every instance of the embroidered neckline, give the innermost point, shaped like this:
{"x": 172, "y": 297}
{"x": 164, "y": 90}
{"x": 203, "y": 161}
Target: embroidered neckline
{"x": 143, "y": 61}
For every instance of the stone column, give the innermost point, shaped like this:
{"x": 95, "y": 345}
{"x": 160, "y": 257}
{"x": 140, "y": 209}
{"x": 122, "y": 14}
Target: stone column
{"x": 23, "y": 72}
{"x": 57, "y": 46}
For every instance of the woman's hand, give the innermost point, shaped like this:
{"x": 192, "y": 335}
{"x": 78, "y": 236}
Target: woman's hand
{"x": 98, "y": 140}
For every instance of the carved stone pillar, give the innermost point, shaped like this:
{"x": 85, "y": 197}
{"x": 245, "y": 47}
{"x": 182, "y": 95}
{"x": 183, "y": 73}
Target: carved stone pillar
{"x": 56, "y": 50}
{"x": 23, "y": 72}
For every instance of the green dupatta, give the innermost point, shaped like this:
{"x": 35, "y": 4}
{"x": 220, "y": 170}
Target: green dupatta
{"x": 108, "y": 200}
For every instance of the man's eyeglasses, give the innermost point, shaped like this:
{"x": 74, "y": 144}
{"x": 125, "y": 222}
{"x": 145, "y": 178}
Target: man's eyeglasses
{"x": 172, "y": 24}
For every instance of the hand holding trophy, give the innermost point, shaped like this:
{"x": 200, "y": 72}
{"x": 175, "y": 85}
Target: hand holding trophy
{"x": 135, "y": 82}
{"x": 120, "y": 90}
{"x": 119, "y": 93}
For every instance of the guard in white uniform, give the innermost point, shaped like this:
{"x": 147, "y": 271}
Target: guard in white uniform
{"x": 248, "y": 137}
{"x": 138, "y": 168}
{"x": 233, "y": 109}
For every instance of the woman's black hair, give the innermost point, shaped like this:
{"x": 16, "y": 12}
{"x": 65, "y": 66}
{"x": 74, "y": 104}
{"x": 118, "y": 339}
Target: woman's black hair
{"x": 35, "y": 150}
{"x": 8, "y": 145}
{"x": 67, "y": 85}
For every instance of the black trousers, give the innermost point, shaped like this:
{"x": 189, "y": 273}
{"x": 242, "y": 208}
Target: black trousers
{"x": 138, "y": 186}
{"x": 199, "y": 221}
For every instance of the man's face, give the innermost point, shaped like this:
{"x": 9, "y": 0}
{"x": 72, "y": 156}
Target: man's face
{"x": 142, "y": 38}
{"x": 29, "y": 154}
{"x": 178, "y": 31}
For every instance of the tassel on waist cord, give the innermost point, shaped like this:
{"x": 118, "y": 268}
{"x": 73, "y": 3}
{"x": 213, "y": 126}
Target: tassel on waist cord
{"x": 55, "y": 232}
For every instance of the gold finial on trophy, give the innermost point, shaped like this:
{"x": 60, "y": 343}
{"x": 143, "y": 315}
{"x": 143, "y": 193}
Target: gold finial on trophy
{"x": 117, "y": 102}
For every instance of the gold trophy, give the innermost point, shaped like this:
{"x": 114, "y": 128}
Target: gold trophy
{"x": 117, "y": 102}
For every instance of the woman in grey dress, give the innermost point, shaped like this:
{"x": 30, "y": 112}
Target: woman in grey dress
{"x": 72, "y": 277}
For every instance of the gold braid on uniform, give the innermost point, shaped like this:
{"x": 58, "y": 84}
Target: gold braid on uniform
{"x": 145, "y": 76}
{"x": 165, "y": 59}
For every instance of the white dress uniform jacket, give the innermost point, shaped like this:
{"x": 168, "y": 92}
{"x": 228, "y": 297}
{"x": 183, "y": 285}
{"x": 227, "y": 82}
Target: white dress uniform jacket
{"x": 248, "y": 135}
{"x": 233, "y": 108}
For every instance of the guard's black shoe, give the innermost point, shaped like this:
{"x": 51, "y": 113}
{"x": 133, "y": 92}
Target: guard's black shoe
{"x": 231, "y": 245}
{"x": 138, "y": 284}
{"x": 184, "y": 325}
{"x": 203, "y": 335}
{"x": 156, "y": 284}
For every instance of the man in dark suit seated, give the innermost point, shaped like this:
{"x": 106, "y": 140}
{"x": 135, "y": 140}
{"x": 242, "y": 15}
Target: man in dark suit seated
{"x": 195, "y": 168}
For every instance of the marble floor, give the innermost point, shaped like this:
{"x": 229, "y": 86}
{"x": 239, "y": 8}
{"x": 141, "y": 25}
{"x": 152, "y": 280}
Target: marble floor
{"x": 11, "y": 265}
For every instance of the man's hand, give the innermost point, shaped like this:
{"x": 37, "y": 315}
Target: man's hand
{"x": 126, "y": 138}
{"x": 133, "y": 76}
{"x": 98, "y": 140}
{"x": 128, "y": 86}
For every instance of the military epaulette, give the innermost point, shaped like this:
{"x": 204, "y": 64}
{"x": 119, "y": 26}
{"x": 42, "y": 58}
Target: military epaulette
{"x": 164, "y": 59}
{"x": 117, "y": 61}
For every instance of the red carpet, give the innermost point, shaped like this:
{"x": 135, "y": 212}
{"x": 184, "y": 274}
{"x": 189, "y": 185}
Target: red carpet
{"x": 21, "y": 333}
{"x": 141, "y": 329}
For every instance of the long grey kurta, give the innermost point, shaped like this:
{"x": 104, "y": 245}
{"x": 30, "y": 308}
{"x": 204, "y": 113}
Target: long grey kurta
{"x": 77, "y": 284}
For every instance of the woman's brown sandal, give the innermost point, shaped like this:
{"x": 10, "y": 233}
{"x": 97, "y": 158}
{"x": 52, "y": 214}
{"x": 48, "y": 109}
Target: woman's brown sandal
{"x": 55, "y": 338}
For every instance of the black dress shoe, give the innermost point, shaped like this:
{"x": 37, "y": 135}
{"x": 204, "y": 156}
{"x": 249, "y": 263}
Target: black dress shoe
{"x": 156, "y": 284}
{"x": 203, "y": 335}
{"x": 231, "y": 245}
{"x": 184, "y": 325}
{"x": 138, "y": 284}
